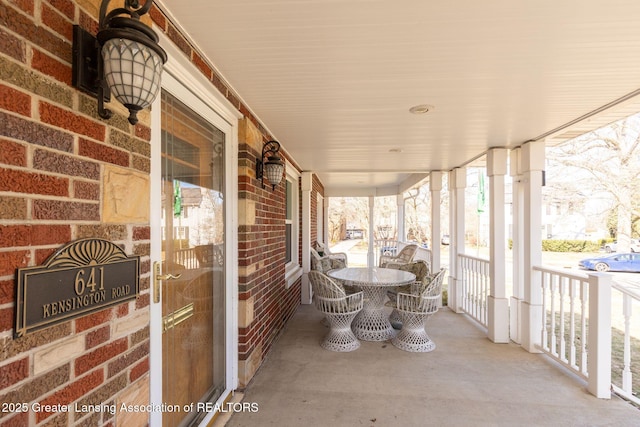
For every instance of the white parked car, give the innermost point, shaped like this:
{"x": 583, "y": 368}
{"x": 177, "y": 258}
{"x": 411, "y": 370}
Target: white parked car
{"x": 612, "y": 247}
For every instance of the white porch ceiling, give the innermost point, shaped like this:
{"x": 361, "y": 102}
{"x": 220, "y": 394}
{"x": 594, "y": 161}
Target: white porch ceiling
{"x": 333, "y": 80}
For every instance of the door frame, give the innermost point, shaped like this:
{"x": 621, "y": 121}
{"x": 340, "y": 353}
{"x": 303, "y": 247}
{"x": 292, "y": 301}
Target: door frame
{"x": 184, "y": 81}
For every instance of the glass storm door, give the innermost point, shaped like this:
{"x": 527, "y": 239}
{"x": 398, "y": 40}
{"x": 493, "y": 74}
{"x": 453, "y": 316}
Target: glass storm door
{"x": 192, "y": 265}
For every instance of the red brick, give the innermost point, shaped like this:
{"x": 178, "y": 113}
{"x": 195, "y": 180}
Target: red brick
{"x": 9, "y": 261}
{"x": 97, "y": 337}
{"x": 139, "y": 370}
{"x": 50, "y": 234}
{"x": 6, "y": 319}
{"x": 141, "y": 233}
{"x": 66, "y": 7}
{"x": 7, "y": 291}
{"x": 58, "y": 23}
{"x": 103, "y": 153}
{"x": 14, "y": 372}
{"x": 24, "y": 26}
{"x": 51, "y": 67}
{"x": 71, "y": 121}
{"x": 72, "y": 392}
{"x": 14, "y": 235}
{"x": 19, "y": 181}
{"x": 143, "y": 132}
{"x": 13, "y": 100}
{"x": 42, "y": 255}
{"x": 202, "y": 65}
{"x": 100, "y": 355}
{"x": 93, "y": 320}
{"x": 24, "y": 5}
{"x": 122, "y": 310}
{"x": 88, "y": 22}
{"x": 142, "y": 301}
{"x": 12, "y": 153}
{"x": 158, "y": 17}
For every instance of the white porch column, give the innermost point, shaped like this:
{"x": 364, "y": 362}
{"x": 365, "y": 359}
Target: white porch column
{"x": 517, "y": 236}
{"x": 457, "y": 184}
{"x": 402, "y": 237}
{"x": 497, "y": 302}
{"x": 307, "y": 179}
{"x": 435, "y": 186}
{"x": 325, "y": 220}
{"x": 599, "y": 335}
{"x": 533, "y": 165}
{"x": 371, "y": 259}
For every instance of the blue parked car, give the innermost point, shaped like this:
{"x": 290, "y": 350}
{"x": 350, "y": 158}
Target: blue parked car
{"x": 613, "y": 262}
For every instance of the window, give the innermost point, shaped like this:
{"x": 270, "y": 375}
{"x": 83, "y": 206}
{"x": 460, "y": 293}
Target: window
{"x": 293, "y": 270}
{"x": 289, "y": 220}
{"x": 320, "y": 219}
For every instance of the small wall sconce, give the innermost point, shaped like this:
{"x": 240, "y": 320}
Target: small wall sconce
{"x": 273, "y": 167}
{"x": 124, "y": 59}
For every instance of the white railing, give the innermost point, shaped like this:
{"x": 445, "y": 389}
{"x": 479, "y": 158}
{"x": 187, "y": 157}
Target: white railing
{"x": 625, "y": 336}
{"x": 588, "y": 328}
{"x": 475, "y": 287}
{"x": 564, "y": 317}
{"x": 187, "y": 258}
{"x": 385, "y": 247}
{"x": 423, "y": 254}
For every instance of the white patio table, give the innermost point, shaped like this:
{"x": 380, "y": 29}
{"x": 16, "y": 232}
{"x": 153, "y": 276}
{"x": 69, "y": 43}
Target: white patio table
{"x": 372, "y": 323}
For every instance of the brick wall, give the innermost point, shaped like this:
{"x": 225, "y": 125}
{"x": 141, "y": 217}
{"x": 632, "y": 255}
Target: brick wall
{"x": 265, "y": 302}
{"x": 56, "y": 157}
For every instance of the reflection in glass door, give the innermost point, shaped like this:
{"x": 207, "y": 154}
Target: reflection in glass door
{"x": 193, "y": 258}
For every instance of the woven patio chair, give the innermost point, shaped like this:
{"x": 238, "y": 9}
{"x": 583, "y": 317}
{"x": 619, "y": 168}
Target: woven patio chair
{"x": 415, "y": 310}
{"x": 420, "y": 269}
{"x": 339, "y": 309}
{"x": 335, "y": 255}
{"x": 324, "y": 264}
{"x": 405, "y": 256}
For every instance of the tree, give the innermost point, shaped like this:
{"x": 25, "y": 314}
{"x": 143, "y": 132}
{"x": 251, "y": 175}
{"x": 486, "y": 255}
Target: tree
{"x": 605, "y": 161}
{"x": 418, "y": 214}
{"x": 347, "y": 212}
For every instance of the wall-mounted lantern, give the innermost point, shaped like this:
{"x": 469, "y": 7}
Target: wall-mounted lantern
{"x": 124, "y": 59}
{"x": 273, "y": 167}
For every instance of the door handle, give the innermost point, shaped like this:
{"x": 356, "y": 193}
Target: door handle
{"x": 174, "y": 319}
{"x": 167, "y": 277}
{"x": 157, "y": 278}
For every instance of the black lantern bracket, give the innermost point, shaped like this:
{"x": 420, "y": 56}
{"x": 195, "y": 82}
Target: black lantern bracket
{"x": 87, "y": 62}
{"x": 269, "y": 151}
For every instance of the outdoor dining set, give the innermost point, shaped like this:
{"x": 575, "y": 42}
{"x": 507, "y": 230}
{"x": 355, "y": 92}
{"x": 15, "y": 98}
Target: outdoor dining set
{"x": 389, "y": 302}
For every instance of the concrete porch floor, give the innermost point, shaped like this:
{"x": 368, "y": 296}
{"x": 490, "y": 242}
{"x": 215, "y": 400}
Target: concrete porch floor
{"x": 466, "y": 381}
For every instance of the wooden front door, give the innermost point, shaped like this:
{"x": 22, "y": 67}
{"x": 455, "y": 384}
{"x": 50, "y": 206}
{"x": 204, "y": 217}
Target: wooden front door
{"x": 191, "y": 271}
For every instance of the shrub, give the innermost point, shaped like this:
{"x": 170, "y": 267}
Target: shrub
{"x": 570, "y": 246}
